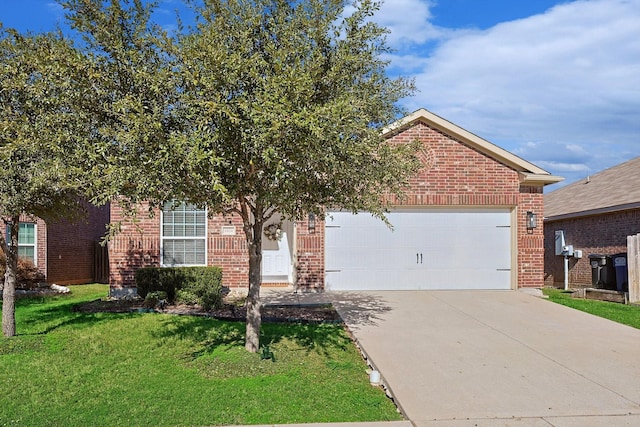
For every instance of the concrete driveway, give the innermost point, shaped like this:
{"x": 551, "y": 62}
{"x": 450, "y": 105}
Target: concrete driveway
{"x": 494, "y": 358}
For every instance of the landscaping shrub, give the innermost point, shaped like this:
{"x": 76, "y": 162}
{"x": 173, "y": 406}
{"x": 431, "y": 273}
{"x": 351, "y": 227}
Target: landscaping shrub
{"x": 155, "y": 299}
{"x": 28, "y": 274}
{"x": 186, "y": 296}
{"x": 153, "y": 279}
{"x": 185, "y": 285}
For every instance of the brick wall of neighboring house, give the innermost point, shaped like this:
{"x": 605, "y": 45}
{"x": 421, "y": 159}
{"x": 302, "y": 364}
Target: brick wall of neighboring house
{"x": 41, "y": 241}
{"x": 64, "y": 250}
{"x": 604, "y": 234}
{"x": 70, "y": 247}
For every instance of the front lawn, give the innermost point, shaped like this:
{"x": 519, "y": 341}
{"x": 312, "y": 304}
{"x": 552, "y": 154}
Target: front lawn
{"x": 75, "y": 369}
{"x": 626, "y": 314}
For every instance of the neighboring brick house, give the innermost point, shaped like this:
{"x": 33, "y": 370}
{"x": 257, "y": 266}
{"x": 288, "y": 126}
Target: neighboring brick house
{"x": 596, "y": 214}
{"x": 66, "y": 252}
{"x": 462, "y": 226}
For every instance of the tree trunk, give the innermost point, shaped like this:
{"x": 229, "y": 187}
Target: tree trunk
{"x": 253, "y": 305}
{"x": 10, "y": 279}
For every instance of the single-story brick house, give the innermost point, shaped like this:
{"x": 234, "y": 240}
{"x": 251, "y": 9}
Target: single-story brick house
{"x": 595, "y": 214}
{"x": 464, "y": 225}
{"x": 66, "y": 253}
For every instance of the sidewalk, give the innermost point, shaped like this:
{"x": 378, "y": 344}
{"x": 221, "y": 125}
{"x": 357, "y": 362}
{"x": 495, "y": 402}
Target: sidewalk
{"x": 378, "y": 424}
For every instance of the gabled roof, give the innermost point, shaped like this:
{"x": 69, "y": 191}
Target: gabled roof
{"x": 530, "y": 174}
{"x": 613, "y": 189}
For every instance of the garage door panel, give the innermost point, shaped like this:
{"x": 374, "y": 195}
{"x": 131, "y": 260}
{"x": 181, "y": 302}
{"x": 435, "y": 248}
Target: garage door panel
{"x": 378, "y": 281}
{"x": 435, "y": 280}
{"x": 427, "y": 249}
{"x": 350, "y": 258}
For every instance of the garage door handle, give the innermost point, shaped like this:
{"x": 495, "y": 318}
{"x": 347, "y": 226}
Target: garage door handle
{"x": 418, "y": 258}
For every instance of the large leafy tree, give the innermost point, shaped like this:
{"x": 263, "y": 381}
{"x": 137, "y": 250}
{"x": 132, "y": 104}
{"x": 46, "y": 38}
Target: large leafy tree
{"x": 292, "y": 97}
{"x": 264, "y": 107}
{"x": 138, "y": 136}
{"x": 39, "y": 129}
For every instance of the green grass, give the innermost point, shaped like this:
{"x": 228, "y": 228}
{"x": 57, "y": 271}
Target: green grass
{"x": 74, "y": 369}
{"x": 625, "y": 314}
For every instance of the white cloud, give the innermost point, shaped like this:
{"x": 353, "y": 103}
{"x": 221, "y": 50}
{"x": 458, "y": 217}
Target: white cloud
{"x": 568, "y": 77}
{"x": 582, "y": 169}
{"x": 408, "y": 21}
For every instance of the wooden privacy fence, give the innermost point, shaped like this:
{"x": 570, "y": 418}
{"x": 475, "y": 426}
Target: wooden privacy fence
{"x": 633, "y": 265}
{"x": 100, "y": 263}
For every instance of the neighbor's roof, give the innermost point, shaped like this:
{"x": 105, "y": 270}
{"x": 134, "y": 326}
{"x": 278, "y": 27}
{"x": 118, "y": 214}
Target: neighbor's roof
{"x": 614, "y": 189}
{"x": 530, "y": 174}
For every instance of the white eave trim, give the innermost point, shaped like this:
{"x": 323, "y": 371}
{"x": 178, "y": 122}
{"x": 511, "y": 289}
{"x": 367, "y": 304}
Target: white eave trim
{"x": 530, "y": 173}
{"x": 539, "y": 179}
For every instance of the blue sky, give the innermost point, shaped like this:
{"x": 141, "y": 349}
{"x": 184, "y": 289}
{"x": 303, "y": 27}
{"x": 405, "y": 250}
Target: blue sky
{"x": 555, "y": 82}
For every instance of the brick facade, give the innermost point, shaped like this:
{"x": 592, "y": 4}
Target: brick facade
{"x": 70, "y": 247}
{"x": 604, "y": 234}
{"x": 455, "y": 174}
{"x": 310, "y": 245}
{"x": 138, "y": 245}
{"x": 530, "y": 242}
{"x": 65, "y": 250}
{"x": 41, "y": 241}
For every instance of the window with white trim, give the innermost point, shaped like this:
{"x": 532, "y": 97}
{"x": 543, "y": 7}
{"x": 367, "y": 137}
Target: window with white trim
{"x": 26, "y": 241}
{"x": 183, "y": 235}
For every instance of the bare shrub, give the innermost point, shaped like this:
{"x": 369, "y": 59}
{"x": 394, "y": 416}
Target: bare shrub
{"x": 28, "y": 274}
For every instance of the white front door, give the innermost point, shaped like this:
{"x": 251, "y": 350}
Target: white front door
{"x": 276, "y": 263}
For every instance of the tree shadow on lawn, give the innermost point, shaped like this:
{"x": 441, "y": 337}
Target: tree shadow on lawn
{"x": 311, "y": 337}
{"x": 211, "y": 334}
{"x": 354, "y": 308}
{"x": 41, "y": 311}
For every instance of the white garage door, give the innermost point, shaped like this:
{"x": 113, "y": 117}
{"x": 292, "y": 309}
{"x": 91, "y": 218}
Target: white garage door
{"x": 427, "y": 249}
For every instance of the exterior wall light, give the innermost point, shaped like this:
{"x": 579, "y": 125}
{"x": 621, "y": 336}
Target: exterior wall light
{"x": 311, "y": 223}
{"x": 532, "y": 221}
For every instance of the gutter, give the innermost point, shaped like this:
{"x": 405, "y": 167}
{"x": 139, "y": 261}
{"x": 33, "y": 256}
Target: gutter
{"x": 536, "y": 179}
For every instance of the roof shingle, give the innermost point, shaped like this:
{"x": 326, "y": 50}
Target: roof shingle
{"x": 613, "y": 189}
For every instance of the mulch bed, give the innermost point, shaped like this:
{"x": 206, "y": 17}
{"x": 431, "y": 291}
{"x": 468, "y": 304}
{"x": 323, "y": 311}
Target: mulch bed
{"x": 231, "y": 312}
